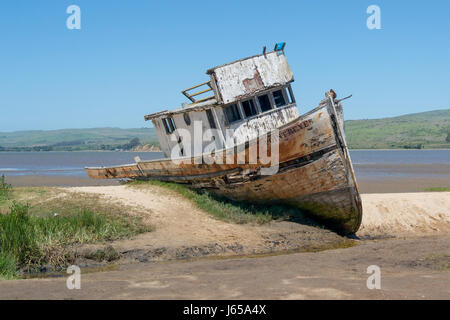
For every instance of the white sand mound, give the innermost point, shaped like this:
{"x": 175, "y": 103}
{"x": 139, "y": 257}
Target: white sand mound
{"x": 405, "y": 213}
{"x": 383, "y": 213}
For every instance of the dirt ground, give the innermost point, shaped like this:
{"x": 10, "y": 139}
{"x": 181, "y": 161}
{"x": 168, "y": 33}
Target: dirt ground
{"x": 410, "y": 269}
{"x": 192, "y": 255}
{"x": 181, "y": 230}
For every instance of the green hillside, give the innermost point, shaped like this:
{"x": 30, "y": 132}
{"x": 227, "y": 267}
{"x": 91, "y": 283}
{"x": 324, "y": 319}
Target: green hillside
{"x": 418, "y": 130}
{"x": 76, "y": 139}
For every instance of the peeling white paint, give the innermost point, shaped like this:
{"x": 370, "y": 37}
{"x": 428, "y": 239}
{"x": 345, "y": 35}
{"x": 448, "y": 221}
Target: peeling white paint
{"x": 246, "y": 77}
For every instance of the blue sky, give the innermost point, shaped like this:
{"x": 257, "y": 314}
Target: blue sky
{"x": 131, "y": 58}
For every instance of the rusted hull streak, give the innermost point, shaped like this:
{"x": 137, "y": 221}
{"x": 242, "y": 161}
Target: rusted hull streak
{"x": 315, "y": 173}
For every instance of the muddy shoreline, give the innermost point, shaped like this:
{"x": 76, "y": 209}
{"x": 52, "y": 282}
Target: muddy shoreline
{"x": 410, "y": 269}
{"x": 366, "y": 184}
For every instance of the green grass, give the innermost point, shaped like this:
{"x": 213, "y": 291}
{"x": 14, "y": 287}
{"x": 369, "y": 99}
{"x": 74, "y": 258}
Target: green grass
{"x": 47, "y": 231}
{"x": 419, "y": 130}
{"x": 231, "y": 211}
{"x": 437, "y": 189}
{"x": 5, "y": 189}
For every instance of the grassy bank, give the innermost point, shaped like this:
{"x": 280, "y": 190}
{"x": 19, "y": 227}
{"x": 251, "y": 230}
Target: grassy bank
{"x": 44, "y": 226}
{"x": 231, "y": 211}
{"x": 413, "y": 131}
{"x": 77, "y": 139}
{"x": 437, "y": 189}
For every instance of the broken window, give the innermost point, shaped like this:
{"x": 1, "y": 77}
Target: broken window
{"x": 169, "y": 125}
{"x": 264, "y": 103}
{"x": 212, "y": 123}
{"x": 279, "y": 98}
{"x": 249, "y": 108}
{"x": 232, "y": 113}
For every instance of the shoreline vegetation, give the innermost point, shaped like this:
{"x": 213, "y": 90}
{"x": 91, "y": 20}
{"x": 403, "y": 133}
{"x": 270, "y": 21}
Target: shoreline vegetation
{"x": 228, "y": 210}
{"x": 426, "y": 130}
{"x": 42, "y": 229}
{"x": 437, "y": 189}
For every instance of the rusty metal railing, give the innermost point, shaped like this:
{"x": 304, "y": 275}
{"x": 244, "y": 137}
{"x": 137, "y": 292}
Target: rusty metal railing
{"x": 190, "y": 96}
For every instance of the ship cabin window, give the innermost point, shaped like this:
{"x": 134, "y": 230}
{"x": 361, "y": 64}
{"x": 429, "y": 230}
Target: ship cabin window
{"x": 232, "y": 113}
{"x": 187, "y": 119}
{"x": 169, "y": 125}
{"x": 290, "y": 95}
{"x": 264, "y": 103}
{"x": 212, "y": 123}
{"x": 249, "y": 108}
{"x": 278, "y": 97}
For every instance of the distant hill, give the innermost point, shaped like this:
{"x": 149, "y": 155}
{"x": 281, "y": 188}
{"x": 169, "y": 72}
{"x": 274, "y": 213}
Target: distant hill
{"x": 418, "y": 130}
{"x": 77, "y": 139}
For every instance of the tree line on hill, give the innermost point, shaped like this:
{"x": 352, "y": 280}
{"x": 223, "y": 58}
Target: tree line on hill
{"x": 76, "y": 145}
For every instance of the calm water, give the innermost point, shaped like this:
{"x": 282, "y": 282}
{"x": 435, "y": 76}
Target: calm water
{"x": 399, "y": 157}
{"x": 65, "y": 163}
{"x": 401, "y": 163}
{"x": 367, "y": 163}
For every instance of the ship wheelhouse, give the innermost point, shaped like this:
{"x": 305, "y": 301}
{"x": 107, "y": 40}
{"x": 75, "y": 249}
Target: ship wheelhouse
{"x": 242, "y": 100}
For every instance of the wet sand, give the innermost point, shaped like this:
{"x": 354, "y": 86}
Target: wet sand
{"x": 366, "y": 184}
{"x": 410, "y": 269}
{"x": 57, "y": 181}
{"x": 402, "y": 184}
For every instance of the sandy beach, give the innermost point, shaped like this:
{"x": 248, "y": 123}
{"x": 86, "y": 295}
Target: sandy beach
{"x": 406, "y": 234}
{"x": 56, "y": 181}
{"x": 391, "y": 206}
{"x": 385, "y": 214}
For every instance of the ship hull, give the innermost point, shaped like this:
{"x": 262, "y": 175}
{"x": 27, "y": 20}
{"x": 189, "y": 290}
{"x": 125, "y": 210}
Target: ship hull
{"x": 314, "y": 172}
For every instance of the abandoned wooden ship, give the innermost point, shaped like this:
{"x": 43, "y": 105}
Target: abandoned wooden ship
{"x": 252, "y": 107}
